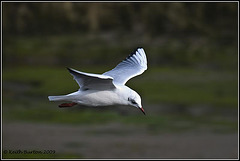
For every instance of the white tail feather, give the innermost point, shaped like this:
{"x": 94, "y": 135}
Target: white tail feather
{"x": 56, "y": 98}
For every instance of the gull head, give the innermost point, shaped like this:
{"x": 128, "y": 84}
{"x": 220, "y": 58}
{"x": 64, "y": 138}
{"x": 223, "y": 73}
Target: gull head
{"x": 135, "y": 100}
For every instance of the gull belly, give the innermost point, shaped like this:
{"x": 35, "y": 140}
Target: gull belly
{"x": 98, "y": 98}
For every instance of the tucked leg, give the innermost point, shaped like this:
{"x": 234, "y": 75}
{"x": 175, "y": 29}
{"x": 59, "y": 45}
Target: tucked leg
{"x": 67, "y": 104}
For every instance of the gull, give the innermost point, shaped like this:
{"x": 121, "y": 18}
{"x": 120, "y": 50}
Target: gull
{"x": 108, "y": 88}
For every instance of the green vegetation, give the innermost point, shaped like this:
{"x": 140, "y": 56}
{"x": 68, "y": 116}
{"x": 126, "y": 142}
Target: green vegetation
{"x": 168, "y": 85}
{"x": 86, "y": 50}
{"x": 173, "y": 86}
{"x": 153, "y": 18}
{"x": 154, "y": 123}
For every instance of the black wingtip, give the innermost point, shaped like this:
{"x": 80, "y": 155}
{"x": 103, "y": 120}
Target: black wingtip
{"x": 70, "y": 70}
{"x": 134, "y": 52}
{"x": 137, "y": 49}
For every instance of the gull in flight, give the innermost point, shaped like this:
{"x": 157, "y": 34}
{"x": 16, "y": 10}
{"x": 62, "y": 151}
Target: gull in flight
{"x": 108, "y": 88}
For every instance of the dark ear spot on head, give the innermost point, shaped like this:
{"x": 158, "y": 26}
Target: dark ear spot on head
{"x": 132, "y": 101}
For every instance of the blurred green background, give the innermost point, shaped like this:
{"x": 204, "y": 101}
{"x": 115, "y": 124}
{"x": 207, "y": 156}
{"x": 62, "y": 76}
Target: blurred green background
{"x": 189, "y": 92}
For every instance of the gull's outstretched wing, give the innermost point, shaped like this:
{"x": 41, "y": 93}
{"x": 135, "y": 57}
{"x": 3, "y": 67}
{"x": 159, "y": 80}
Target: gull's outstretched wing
{"x": 135, "y": 64}
{"x": 88, "y": 81}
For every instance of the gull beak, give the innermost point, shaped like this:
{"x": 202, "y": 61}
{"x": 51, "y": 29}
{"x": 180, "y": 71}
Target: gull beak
{"x": 142, "y": 110}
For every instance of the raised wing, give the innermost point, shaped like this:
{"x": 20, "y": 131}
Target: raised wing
{"x": 92, "y": 81}
{"x": 135, "y": 64}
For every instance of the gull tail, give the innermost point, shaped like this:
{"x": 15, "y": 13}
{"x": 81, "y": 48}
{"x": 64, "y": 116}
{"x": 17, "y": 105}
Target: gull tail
{"x": 62, "y": 98}
{"x": 57, "y": 98}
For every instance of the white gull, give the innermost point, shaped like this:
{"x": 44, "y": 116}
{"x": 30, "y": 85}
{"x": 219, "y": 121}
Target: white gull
{"x": 108, "y": 88}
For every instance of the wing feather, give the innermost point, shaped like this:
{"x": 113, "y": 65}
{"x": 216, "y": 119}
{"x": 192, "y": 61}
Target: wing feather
{"x": 135, "y": 64}
{"x": 92, "y": 81}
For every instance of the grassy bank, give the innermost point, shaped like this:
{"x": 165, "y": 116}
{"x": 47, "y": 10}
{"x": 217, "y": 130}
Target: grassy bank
{"x": 156, "y": 85}
{"x": 25, "y": 92}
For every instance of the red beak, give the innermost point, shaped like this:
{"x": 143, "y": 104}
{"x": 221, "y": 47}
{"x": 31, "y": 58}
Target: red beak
{"x": 142, "y": 110}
